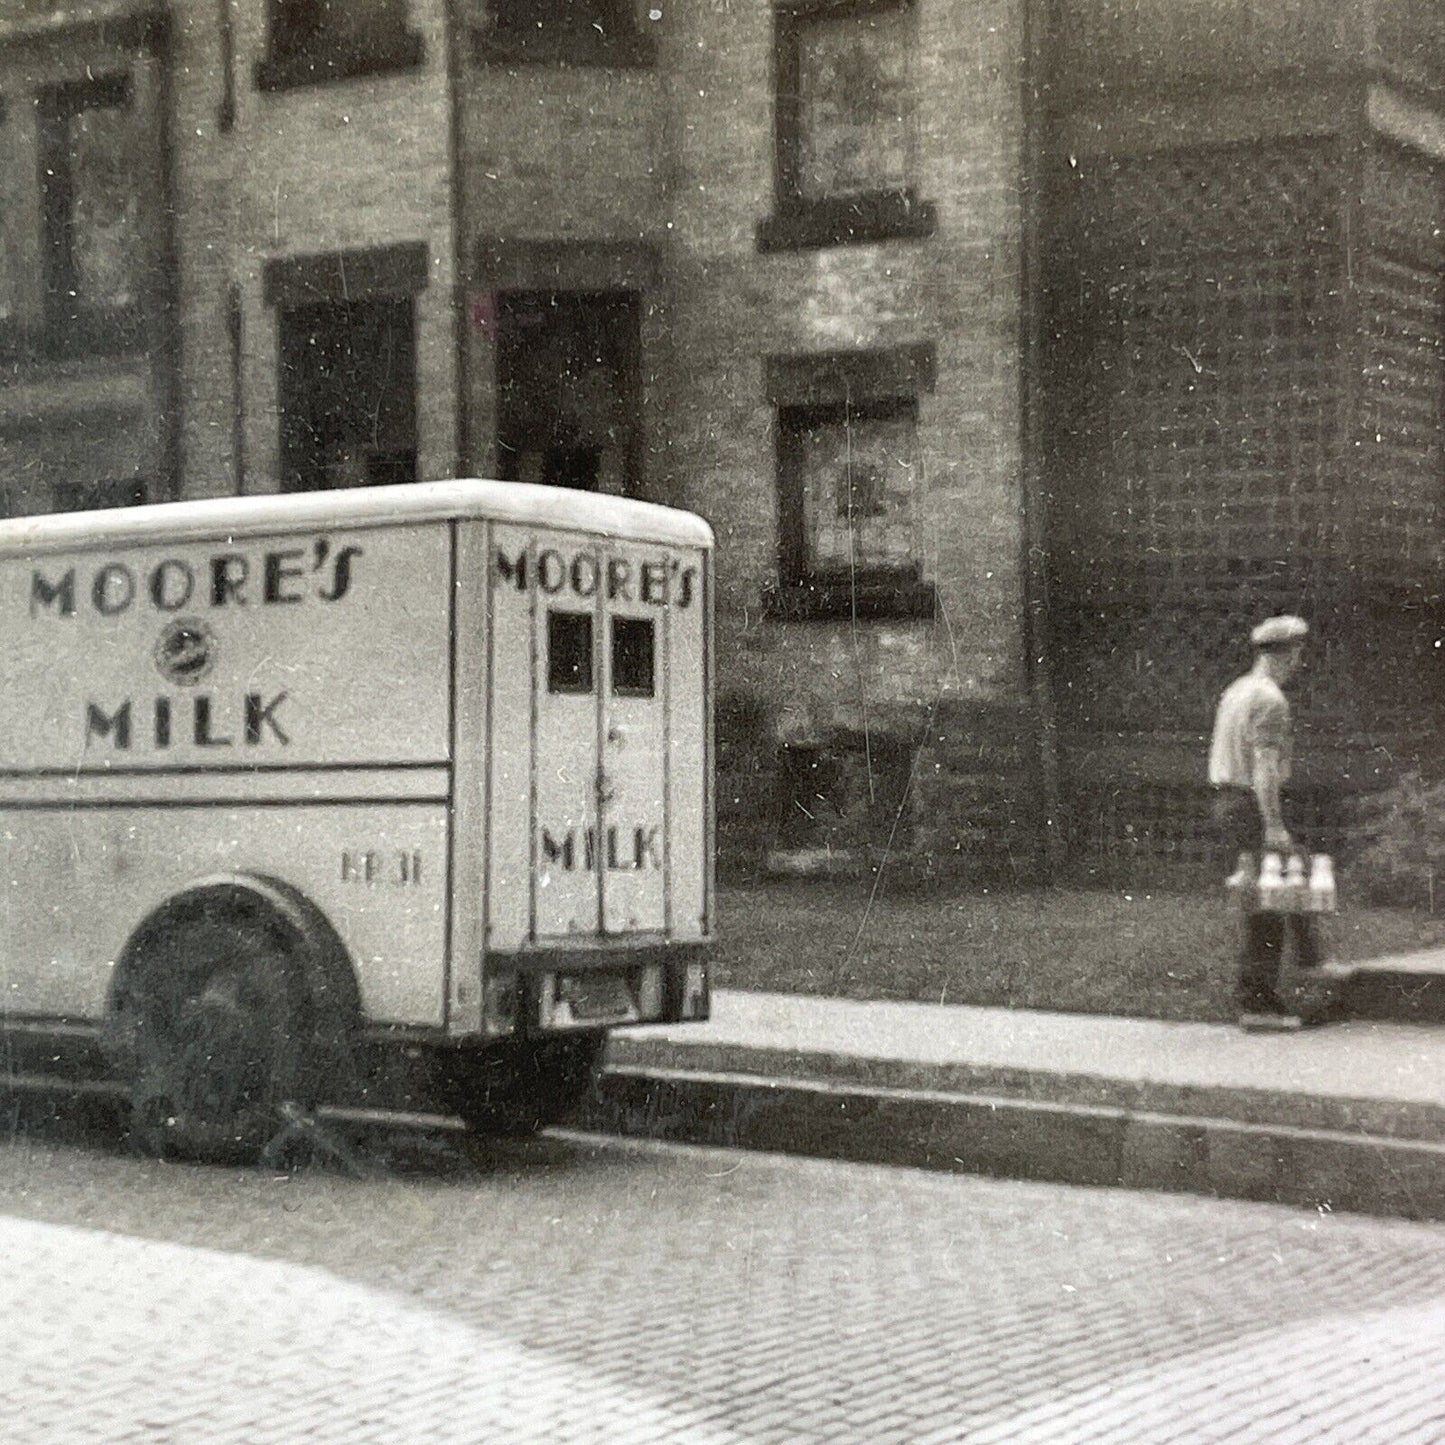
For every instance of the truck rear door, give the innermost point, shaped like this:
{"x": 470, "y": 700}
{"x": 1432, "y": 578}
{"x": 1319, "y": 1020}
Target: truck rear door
{"x": 597, "y": 662}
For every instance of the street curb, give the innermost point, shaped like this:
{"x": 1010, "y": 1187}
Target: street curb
{"x": 1025, "y": 1138}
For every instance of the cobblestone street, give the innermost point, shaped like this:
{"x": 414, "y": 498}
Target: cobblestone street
{"x": 571, "y": 1290}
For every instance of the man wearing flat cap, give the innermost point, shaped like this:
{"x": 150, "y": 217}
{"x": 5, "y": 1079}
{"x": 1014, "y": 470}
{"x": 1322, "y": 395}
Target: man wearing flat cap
{"x": 1249, "y": 765}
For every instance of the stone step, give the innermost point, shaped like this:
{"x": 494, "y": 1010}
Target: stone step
{"x": 1407, "y": 988}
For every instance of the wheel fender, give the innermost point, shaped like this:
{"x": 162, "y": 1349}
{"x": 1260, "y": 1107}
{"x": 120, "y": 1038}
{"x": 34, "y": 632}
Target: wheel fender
{"x": 327, "y": 972}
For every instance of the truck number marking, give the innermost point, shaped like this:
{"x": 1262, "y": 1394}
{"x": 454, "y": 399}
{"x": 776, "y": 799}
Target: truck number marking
{"x": 398, "y": 868}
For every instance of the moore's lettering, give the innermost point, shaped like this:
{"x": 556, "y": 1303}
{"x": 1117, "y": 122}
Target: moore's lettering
{"x": 652, "y": 584}
{"x": 341, "y": 573}
{"x": 280, "y": 572}
{"x": 113, "y": 589}
{"x": 171, "y": 585}
{"x": 512, "y": 570}
{"x": 619, "y": 579}
{"x": 551, "y": 572}
{"x": 656, "y": 583}
{"x": 59, "y": 595}
{"x": 227, "y": 579}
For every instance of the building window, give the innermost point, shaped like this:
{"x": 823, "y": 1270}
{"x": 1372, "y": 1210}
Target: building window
{"x": 94, "y": 496}
{"x": 847, "y": 126}
{"x": 315, "y": 41}
{"x": 561, "y": 32}
{"x": 348, "y": 394}
{"x": 94, "y": 246}
{"x": 850, "y": 477}
{"x": 346, "y": 324}
{"x": 569, "y": 389}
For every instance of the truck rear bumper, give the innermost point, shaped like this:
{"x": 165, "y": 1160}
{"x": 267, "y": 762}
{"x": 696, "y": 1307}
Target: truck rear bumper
{"x": 547, "y": 990}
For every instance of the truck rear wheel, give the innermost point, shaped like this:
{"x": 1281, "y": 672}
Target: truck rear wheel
{"x": 209, "y": 1027}
{"x": 513, "y": 1089}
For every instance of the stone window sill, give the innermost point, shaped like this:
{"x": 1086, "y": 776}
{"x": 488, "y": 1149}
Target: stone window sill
{"x": 97, "y": 334}
{"x": 900, "y": 595}
{"x": 801, "y": 225}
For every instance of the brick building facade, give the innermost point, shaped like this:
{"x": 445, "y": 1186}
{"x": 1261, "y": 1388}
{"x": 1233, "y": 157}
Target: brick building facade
{"x": 855, "y": 281}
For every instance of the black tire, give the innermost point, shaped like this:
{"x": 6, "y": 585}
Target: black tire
{"x": 511, "y": 1090}
{"x": 209, "y": 1028}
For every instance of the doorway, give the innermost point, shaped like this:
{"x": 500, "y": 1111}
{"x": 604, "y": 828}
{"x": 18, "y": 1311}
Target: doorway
{"x": 348, "y": 394}
{"x": 568, "y": 389}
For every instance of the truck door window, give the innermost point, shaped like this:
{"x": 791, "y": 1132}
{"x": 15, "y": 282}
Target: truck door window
{"x": 569, "y": 651}
{"x": 632, "y": 656}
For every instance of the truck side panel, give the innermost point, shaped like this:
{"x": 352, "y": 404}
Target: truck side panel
{"x": 79, "y": 880}
{"x": 316, "y": 648}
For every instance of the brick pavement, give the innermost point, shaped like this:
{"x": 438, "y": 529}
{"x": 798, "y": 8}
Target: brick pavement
{"x": 760, "y": 1297}
{"x": 140, "y": 1340}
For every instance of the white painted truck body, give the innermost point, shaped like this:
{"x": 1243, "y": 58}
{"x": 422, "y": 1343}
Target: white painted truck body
{"x": 468, "y": 722}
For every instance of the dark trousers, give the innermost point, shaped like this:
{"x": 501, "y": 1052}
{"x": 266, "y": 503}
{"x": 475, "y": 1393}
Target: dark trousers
{"x": 1240, "y": 829}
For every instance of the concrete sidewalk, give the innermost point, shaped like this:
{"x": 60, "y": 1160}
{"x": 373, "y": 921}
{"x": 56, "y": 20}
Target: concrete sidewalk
{"x": 1347, "y": 1116}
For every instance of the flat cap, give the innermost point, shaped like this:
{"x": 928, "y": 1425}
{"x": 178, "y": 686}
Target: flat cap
{"x": 1280, "y": 631}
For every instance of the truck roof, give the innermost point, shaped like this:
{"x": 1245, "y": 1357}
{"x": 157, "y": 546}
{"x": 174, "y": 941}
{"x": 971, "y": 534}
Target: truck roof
{"x": 518, "y": 502}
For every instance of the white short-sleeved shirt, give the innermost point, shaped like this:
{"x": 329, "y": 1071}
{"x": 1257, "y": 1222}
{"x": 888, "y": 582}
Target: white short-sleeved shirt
{"x": 1253, "y": 713}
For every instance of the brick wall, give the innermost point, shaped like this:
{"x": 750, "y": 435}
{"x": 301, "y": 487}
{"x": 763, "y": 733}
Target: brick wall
{"x": 344, "y": 165}
{"x": 728, "y": 307}
{"x": 666, "y": 172}
{"x": 68, "y": 419}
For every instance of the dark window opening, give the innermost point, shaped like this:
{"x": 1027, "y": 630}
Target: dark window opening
{"x": 348, "y": 394}
{"x": 562, "y": 32}
{"x": 569, "y": 389}
{"x": 577, "y": 467}
{"x": 101, "y": 495}
{"x": 633, "y": 665}
{"x": 846, "y": 795}
{"x": 569, "y": 652}
{"x": 313, "y": 41}
{"x": 846, "y": 126}
{"x": 94, "y": 262}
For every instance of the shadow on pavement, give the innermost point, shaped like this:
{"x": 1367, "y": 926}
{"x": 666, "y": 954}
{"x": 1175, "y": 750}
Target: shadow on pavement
{"x": 404, "y": 1150}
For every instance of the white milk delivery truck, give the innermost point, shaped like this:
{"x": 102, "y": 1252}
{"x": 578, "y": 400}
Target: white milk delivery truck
{"x": 293, "y": 787}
